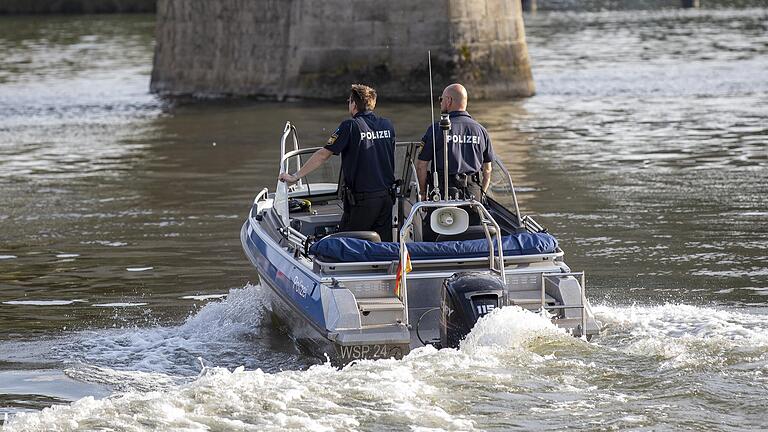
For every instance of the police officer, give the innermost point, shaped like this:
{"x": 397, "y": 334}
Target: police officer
{"x": 470, "y": 152}
{"x": 367, "y": 146}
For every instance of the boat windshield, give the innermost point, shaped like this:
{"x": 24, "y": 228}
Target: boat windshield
{"x": 325, "y": 179}
{"x": 501, "y": 188}
{"x": 322, "y": 181}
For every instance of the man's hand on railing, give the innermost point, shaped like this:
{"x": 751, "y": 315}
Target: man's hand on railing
{"x": 288, "y": 178}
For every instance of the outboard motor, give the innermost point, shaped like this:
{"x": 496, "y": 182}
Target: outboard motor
{"x": 467, "y": 296}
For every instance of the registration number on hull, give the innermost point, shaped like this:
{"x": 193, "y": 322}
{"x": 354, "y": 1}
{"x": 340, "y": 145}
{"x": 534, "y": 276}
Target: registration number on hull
{"x": 355, "y": 352}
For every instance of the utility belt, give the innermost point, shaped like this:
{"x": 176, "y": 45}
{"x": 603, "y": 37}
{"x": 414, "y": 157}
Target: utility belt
{"x": 467, "y": 184}
{"x": 353, "y": 198}
{"x": 461, "y": 180}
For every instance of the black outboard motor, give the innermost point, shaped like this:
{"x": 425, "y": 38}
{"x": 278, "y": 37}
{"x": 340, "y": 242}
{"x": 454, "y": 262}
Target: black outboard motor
{"x": 467, "y": 296}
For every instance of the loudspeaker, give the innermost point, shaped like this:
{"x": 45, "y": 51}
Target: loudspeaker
{"x": 449, "y": 220}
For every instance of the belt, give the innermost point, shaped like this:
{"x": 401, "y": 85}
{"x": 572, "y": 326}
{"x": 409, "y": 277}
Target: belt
{"x": 474, "y": 176}
{"x": 369, "y": 195}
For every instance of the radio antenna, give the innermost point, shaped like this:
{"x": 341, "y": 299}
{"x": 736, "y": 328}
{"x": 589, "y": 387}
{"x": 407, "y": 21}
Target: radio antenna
{"x": 435, "y": 178}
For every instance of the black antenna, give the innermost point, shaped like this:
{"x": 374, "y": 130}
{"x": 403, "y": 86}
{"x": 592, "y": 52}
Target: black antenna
{"x": 435, "y": 179}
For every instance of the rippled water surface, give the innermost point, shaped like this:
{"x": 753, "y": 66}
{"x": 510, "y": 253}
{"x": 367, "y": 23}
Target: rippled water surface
{"x": 127, "y": 304}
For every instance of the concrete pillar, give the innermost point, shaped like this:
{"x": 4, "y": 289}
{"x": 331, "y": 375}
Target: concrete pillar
{"x": 316, "y": 48}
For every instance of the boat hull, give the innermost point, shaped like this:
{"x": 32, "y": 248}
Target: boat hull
{"x": 295, "y": 295}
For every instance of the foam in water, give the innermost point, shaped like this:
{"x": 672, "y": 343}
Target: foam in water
{"x": 139, "y": 269}
{"x": 684, "y": 335}
{"x": 514, "y": 368}
{"x": 42, "y": 302}
{"x": 412, "y": 393}
{"x": 119, "y": 304}
{"x": 67, "y": 255}
{"x": 509, "y": 328}
{"x": 203, "y": 297}
{"x": 123, "y": 380}
{"x": 221, "y": 330}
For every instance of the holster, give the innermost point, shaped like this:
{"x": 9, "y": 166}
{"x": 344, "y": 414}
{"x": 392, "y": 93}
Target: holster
{"x": 349, "y": 197}
{"x": 394, "y": 189}
{"x": 462, "y": 180}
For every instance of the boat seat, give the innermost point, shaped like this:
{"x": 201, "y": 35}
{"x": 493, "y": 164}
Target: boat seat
{"x": 338, "y": 248}
{"x": 474, "y": 232}
{"x": 371, "y": 236}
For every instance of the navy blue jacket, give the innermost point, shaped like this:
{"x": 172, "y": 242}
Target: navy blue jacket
{"x": 367, "y": 146}
{"x": 469, "y": 145}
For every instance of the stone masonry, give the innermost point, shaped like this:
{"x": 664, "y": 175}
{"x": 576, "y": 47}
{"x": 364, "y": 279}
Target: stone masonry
{"x": 285, "y": 49}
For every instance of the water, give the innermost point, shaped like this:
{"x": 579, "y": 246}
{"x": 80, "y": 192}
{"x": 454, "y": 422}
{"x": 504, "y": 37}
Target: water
{"x": 126, "y": 302}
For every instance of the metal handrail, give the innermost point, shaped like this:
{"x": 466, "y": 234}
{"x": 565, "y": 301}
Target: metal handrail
{"x": 262, "y": 193}
{"x": 295, "y": 136}
{"x": 282, "y": 188}
{"x": 293, "y": 153}
{"x": 285, "y": 156}
{"x": 286, "y": 132}
{"x": 415, "y": 275}
{"x": 514, "y": 195}
{"x": 408, "y": 224}
{"x": 582, "y": 306}
{"x": 431, "y": 262}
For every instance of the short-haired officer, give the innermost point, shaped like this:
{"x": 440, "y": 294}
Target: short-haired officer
{"x": 470, "y": 152}
{"x": 367, "y": 146}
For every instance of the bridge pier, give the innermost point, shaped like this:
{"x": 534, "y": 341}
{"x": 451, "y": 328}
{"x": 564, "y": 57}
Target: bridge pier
{"x": 284, "y": 49}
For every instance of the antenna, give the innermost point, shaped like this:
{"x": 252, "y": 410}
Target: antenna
{"x": 435, "y": 179}
{"x": 445, "y": 126}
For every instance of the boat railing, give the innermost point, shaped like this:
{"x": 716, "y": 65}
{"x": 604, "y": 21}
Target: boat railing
{"x": 289, "y": 130}
{"x": 336, "y": 267}
{"x": 520, "y": 218}
{"x": 261, "y": 195}
{"x": 281, "y": 190}
{"x": 297, "y": 152}
{"x": 582, "y": 306}
{"x": 433, "y": 273}
{"x": 496, "y": 265}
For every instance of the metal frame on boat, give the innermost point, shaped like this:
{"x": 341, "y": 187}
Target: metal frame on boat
{"x": 350, "y": 309}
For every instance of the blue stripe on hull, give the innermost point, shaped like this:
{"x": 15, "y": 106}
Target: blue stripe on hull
{"x": 310, "y": 339}
{"x": 288, "y": 279}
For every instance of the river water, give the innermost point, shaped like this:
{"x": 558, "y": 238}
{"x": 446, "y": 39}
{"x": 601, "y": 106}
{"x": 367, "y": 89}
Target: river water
{"x": 127, "y": 304}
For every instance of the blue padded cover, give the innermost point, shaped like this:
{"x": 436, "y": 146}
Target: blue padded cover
{"x": 345, "y": 249}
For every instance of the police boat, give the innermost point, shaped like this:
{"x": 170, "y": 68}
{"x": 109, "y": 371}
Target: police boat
{"x": 348, "y": 296}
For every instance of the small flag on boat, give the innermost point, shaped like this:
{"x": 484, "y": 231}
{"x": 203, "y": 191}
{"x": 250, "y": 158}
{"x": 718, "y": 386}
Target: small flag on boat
{"x": 400, "y": 274}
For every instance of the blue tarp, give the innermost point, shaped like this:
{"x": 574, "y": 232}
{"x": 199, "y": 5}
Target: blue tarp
{"x": 344, "y": 249}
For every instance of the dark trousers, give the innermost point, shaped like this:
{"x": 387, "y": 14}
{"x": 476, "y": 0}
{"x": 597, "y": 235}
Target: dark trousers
{"x": 370, "y": 211}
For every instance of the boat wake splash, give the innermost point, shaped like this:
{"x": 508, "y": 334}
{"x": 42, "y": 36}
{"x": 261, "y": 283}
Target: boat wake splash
{"x": 512, "y": 359}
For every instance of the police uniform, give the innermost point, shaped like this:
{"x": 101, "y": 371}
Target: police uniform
{"x": 469, "y": 147}
{"x": 367, "y": 146}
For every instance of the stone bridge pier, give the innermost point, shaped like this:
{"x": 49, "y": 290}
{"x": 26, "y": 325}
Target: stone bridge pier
{"x": 313, "y": 49}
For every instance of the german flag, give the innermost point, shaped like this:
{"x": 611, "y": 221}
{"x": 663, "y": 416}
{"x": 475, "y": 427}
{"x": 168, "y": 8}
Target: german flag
{"x": 400, "y": 274}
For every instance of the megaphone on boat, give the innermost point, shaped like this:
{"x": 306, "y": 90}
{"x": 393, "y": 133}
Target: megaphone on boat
{"x": 449, "y": 220}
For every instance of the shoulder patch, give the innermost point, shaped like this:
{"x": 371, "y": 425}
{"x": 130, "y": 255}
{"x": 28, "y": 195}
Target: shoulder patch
{"x": 333, "y": 137}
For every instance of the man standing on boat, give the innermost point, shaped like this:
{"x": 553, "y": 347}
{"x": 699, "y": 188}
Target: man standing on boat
{"x": 470, "y": 152}
{"x": 366, "y": 143}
